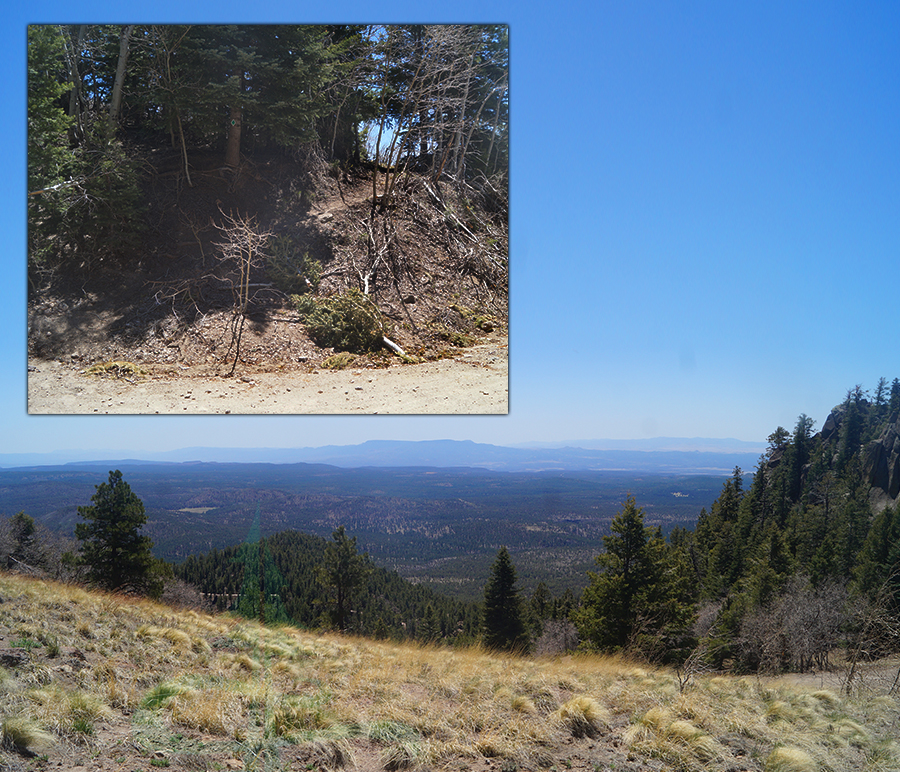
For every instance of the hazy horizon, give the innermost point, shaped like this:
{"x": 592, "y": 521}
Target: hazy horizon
{"x": 707, "y": 447}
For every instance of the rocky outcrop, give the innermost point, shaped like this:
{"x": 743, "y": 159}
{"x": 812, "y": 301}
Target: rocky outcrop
{"x": 881, "y": 465}
{"x": 832, "y": 424}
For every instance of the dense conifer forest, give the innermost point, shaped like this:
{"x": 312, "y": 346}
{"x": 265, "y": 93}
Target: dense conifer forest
{"x": 383, "y": 604}
{"x": 806, "y": 555}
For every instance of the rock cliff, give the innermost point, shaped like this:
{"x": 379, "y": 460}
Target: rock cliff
{"x": 881, "y": 465}
{"x": 880, "y": 457}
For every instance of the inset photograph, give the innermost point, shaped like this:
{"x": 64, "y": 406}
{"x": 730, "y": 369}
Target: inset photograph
{"x": 284, "y": 219}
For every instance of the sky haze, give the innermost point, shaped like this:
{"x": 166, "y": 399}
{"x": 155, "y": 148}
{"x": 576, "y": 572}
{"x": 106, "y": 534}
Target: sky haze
{"x": 704, "y": 223}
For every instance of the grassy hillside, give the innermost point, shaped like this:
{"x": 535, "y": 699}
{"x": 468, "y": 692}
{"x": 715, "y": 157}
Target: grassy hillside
{"x": 93, "y": 681}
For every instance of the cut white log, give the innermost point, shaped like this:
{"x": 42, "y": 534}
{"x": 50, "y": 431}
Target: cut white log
{"x": 393, "y": 346}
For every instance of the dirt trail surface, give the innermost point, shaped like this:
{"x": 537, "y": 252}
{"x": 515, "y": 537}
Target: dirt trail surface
{"x": 475, "y": 381}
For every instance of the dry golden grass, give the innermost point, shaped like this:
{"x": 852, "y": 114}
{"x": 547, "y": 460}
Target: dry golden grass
{"x": 786, "y": 758}
{"x": 163, "y": 677}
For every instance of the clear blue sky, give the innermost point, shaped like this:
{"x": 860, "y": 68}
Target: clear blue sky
{"x": 705, "y": 222}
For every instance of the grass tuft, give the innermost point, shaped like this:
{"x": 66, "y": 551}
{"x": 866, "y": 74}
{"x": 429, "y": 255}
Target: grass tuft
{"x": 296, "y": 713}
{"x": 328, "y": 753}
{"x": 216, "y": 710}
{"x": 583, "y": 717}
{"x": 781, "y": 710}
{"x": 69, "y": 710}
{"x": 698, "y": 742}
{"x": 828, "y": 699}
{"x": 401, "y": 755}
{"x": 160, "y": 695}
{"x": 387, "y": 732}
{"x": 786, "y": 758}
{"x": 24, "y": 735}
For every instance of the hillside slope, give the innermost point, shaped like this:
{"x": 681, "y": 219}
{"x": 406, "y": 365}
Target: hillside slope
{"x": 100, "y": 682}
{"x": 434, "y": 263}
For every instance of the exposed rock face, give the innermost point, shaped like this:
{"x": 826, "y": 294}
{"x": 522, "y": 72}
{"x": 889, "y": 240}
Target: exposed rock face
{"x": 832, "y": 423}
{"x": 881, "y": 461}
{"x": 880, "y": 458}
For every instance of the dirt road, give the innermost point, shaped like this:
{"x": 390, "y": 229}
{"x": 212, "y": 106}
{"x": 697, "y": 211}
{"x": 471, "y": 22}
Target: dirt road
{"x": 476, "y": 381}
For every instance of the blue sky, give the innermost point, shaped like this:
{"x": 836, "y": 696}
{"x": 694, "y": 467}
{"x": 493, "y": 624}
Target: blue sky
{"x": 705, "y": 222}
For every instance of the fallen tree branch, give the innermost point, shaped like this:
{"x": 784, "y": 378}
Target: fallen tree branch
{"x": 393, "y": 346}
{"x": 408, "y": 358}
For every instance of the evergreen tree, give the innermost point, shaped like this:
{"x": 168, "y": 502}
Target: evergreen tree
{"x": 117, "y": 557}
{"x": 22, "y": 549}
{"x": 770, "y": 567}
{"x": 429, "y": 628}
{"x": 640, "y": 591}
{"x": 798, "y": 455}
{"x": 49, "y": 157}
{"x": 878, "y": 565}
{"x": 852, "y": 427}
{"x": 717, "y": 538}
{"x": 539, "y": 609}
{"x": 263, "y": 588}
{"x": 894, "y": 403}
{"x": 880, "y": 399}
{"x": 503, "y": 619}
{"x": 343, "y": 572}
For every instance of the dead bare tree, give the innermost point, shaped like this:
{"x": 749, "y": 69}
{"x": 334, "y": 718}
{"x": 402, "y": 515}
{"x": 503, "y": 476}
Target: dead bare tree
{"x": 878, "y": 634}
{"x": 798, "y": 630}
{"x": 432, "y": 87}
{"x": 242, "y": 249}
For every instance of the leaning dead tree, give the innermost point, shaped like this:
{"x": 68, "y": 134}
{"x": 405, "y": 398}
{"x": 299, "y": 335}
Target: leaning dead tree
{"x": 242, "y": 249}
{"x": 435, "y": 89}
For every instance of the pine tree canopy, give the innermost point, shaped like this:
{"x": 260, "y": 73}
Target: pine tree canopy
{"x": 116, "y": 555}
{"x": 639, "y": 597}
{"x": 503, "y": 618}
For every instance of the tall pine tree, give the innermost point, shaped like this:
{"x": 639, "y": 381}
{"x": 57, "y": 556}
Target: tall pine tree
{"x": 343, "y": 572}
{"x": 115, "y": 553}
{"x": 639, "y": 598}
{"x": 503, "y": 619}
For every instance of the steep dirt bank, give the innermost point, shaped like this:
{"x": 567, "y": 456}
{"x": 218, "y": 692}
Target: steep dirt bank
{"x": 434, "y": 265}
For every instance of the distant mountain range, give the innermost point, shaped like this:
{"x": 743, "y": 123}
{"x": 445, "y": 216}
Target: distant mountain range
{"x": 659, "y": 455}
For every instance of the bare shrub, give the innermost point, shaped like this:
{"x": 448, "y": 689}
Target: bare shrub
{"x": 558, "y": 637}
{"x": 242, "y": 251}
{"x": 180, "y": 594}
{"x": 798, "y": 630}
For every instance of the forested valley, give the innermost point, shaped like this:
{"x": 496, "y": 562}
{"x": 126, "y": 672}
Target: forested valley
{"x": 791, "y": 566}
{"x": 224, "y": 198}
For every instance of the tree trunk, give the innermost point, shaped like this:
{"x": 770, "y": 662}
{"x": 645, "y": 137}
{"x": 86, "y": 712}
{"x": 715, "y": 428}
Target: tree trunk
{"x": 115, "y": 106}
{"x": 233, "y": 148}
{"x": 72, "y": 49}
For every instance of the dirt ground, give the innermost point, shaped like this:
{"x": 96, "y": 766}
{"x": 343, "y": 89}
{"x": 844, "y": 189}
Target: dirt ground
{"x": 474, "y": 381}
